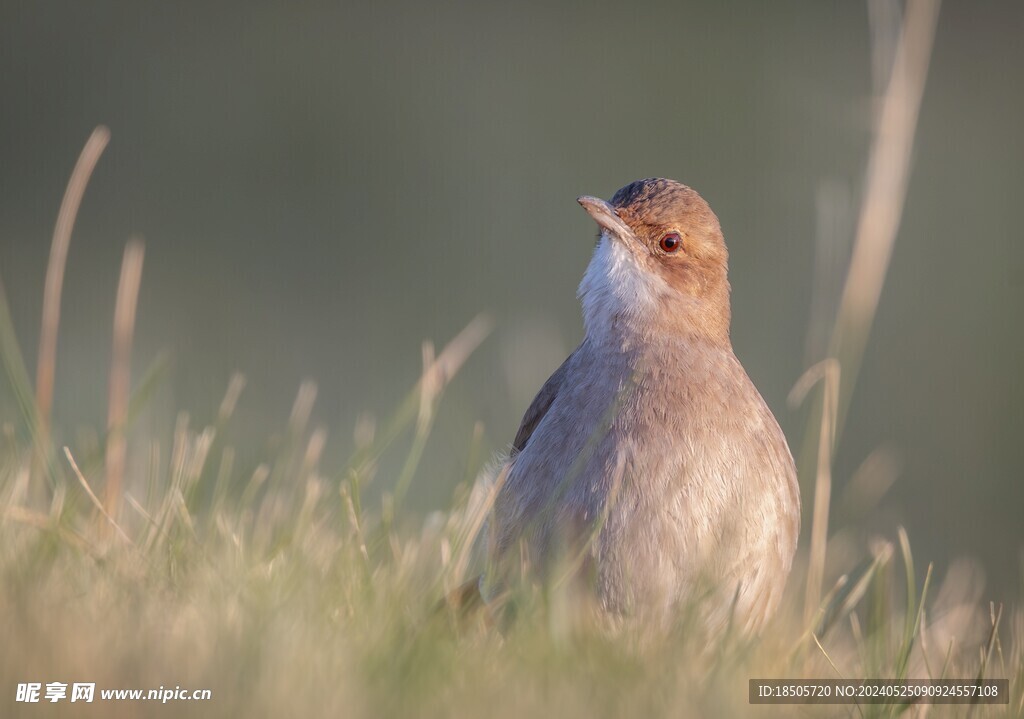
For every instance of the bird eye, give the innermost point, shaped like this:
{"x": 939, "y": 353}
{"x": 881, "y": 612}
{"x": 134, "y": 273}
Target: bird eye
{"x": 671, "y": 242}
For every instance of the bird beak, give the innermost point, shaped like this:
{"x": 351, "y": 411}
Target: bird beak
{"x": 605, "y": 216}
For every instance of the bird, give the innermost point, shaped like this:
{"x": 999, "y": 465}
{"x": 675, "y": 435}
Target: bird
{"x": 648, "y": 468}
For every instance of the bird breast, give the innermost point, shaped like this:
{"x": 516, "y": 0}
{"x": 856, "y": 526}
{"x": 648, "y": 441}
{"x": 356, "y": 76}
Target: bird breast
{"x": 670, "y": 465}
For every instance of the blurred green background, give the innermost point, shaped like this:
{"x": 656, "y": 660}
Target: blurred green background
{"x": 322, "y": 186}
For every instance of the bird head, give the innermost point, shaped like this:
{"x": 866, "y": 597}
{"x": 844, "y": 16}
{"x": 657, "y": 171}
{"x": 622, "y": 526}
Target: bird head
{"x": 660, "y": 265}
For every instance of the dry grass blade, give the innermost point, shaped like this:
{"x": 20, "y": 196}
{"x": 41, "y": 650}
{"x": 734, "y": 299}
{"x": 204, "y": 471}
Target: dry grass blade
{"x": 431, "y": 386}
{"x": 870, "y": 482}
{"x": 995, "y": 615}
{"x": 417, "y": 406}
{"x": 134, "y": 504}
{"x": 92, "y": 496}
{"x": 885, "y": 188}
{"x": 817, "y": 643}
{"x": 915, "y": 605}
{"x": 302, "y": 408}
{"x": 848, "y": 593}
{"x": 227, "y": 406}
{"x": 881, "y": 209}
{"x": 54, "y": 282}
{"x": 354, "y": 514}
{"x": 476, "y": 514}
{"x": 456, "y": 352}
{"x": 829, "y": 372}
{"x": 120, "y": 372}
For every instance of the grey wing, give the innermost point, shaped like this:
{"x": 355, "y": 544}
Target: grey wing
{"x": 541, "y": 404}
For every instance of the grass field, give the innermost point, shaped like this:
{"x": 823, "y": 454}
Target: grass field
{"x": 284, "y": 595}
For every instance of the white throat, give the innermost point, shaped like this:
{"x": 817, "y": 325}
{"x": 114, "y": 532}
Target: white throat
{"x": 617, "y": 287}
